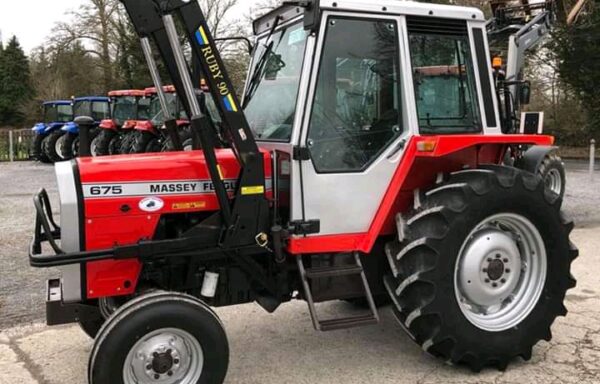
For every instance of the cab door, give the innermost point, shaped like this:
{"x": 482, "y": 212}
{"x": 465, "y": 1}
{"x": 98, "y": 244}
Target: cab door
{"x": 356, "y": 121}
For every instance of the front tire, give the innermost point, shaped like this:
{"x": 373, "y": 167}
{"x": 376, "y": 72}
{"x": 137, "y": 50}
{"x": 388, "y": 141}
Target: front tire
{"x": 453, "y": 294}
{"x": 165, "y": 337}
{"x": 145, "y": 141}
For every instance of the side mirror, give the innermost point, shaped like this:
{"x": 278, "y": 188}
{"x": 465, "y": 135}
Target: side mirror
{"x": 524, "y": 93}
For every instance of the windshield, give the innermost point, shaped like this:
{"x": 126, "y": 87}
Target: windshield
{"x": 82, "y": 108}
{"x": 271, "y": 106}
{"x": 58, "y": 113}
{"x": 156, "y": 112}
{"x": 124, "y": 108}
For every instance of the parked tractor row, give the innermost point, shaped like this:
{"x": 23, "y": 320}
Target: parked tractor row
{"x": 125, "y": 122}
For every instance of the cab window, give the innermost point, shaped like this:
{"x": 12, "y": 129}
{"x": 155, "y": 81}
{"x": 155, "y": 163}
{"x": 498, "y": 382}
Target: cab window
{"x": 356, "y": 110}
{"x": 443, "y": 76}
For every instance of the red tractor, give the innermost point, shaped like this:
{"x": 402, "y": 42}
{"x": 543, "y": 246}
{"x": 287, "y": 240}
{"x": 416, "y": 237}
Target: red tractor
{"x": 342, "y": 180}
{"x": 150, "y": 135}
{"x": 126, "y": 105}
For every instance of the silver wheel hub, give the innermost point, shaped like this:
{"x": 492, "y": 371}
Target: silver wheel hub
{"x": 500, "y": 272}
{"x": 491, "y": 265}
{"x": 554, "y": 180}
{"x": 166, "y": 356}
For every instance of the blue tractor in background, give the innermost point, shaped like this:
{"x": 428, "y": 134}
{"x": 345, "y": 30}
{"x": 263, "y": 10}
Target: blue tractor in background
{"x": 63, "y": 144}
{"x": 56, "y": 114}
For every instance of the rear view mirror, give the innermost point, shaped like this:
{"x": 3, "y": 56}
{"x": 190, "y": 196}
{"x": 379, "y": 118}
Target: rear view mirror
{"x": 524, "y": 93}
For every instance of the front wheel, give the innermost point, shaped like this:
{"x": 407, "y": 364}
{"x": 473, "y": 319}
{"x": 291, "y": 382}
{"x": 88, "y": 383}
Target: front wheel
{"x": 483, "y": 267}
{"x": 38, "y": 151}
{"x": 162, "y": 337}
{"x": 52, "y": 146}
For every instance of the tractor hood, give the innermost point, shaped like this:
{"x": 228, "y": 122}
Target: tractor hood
{"x": 123, "y": 197}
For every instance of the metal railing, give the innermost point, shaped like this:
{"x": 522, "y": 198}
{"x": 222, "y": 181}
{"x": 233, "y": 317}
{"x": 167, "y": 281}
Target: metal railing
{"x": 16, "y": 145}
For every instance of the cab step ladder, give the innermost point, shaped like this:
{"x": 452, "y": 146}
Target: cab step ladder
{"x": 336, "y": 271}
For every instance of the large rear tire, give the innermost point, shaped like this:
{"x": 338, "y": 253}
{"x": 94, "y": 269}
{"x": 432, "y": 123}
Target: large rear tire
{"x": 38, "y": 151}
{"x": 185, "y": 137}
{"x": 144, "y": 141}
{"x": 165, "y": 337}
{"x": 70, "y": 146}
{"x": 52, "y": 146}
{"x": 101, "y": 143}
{"x": 483, "y": 267}
{"x": 552, "y": 171}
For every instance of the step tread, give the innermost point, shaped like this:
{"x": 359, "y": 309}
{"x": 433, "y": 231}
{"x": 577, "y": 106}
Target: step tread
{"x": 348, "y": 322}
{"x": 334, "y": 271}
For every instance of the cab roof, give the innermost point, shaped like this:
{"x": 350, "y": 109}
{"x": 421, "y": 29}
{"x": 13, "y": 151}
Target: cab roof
{"x": 166, "y": 89}
{"x": 92, "y": 98}
{"x": 57, "y": 102}
{"x": 380, "y": 7}
{"x": 127, "y": 92}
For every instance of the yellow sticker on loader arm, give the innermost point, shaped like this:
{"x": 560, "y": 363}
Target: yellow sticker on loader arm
{"x": 257, "y": 190}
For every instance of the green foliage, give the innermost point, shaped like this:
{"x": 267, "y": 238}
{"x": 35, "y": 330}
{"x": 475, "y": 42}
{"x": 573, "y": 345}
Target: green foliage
{"x": 15, "y": 85}
{"x": 577, "y": 51}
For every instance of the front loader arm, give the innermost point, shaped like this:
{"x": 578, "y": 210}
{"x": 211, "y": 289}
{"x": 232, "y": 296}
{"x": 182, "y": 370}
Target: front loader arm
{"x": 246, "y": 217}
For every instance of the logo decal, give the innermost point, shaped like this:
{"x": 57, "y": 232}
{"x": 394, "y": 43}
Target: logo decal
{"x": 201, "y": 36}
{"x": 229, "y": 103}
{"x": 192, "y": 205}
{"x": 151, "y": 204}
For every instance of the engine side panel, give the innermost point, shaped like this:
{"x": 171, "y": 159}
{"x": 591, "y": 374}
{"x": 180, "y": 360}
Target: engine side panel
{"x": 126, "y": 196}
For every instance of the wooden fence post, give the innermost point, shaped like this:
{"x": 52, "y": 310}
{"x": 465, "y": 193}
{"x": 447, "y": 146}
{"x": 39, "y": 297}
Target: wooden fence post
{"x": 11, "y": 149}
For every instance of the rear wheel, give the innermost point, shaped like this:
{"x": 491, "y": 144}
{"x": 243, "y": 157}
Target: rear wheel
{"x": 483, "y": 268}
{"x": 127, "y": 142}
{"x": 52, "y": 146}
{"x": 101, "y": 144}
{"x": 160, "y": 337}
{"x": 552, "y": 171}
{"x": 143, "y": 141}
{"x": 185, "y": 137}
{"x": 38, "y": 151}
{"x": 70, "y": 146}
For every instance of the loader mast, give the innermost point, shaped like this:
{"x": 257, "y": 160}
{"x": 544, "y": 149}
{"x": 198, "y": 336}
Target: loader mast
{"x": 246, "y": 217}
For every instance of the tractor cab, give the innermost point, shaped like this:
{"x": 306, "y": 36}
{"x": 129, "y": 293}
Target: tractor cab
{"x": 126, "y": 106}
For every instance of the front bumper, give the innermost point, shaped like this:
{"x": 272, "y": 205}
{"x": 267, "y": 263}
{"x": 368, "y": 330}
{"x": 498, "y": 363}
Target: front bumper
{"x": 58, "y": 312}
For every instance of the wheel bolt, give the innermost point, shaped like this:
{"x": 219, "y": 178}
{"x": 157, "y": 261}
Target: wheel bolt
{"x": 176, "y": 361}
{"x": 155, "y": 354}
{"x": 498, "y": 256}
{"x": 484, "y": 270}
{"x": 489, "y": 259}
{"x": 494, "y": 285}
{"x": 503, "y": 281}
{"x": 156, "y": 376}
{"x": 487, "y": 280}
{"x": 148, "y": 367}
{"x": 505, "y": 260}
{"x": 507, "y": 270}
{"x": 170, "y": 373}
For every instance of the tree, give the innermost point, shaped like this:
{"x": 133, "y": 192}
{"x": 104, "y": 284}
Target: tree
{"x": 15, "y": 84}
{"x": 577, "y": 51}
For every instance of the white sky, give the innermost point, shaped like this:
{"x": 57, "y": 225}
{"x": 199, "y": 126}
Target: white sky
{"x": 32, "y": 20}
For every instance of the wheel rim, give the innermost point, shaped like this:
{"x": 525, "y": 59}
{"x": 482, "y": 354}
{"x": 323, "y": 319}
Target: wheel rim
{"x": 165, "y": 356}
{"x": 58, "y": 146}
{"x": 94, "y": 148}
{"x": 553, "y": 181}
{"x": 500, "y": 272}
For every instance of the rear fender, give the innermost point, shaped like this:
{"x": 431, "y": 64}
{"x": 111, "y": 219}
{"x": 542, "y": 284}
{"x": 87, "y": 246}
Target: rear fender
{"x": 533, "y": 157}
{"x": 52, "y": 127}
{"x": 39, "y": 128}
{"x": 71, "y": 128}
{"x": 108, "y": 124}
{"x": 146, "y": 126}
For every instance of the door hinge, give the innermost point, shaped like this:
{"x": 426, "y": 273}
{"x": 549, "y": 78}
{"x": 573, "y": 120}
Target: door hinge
{"x": 308, "y": 227}
{"x": 301, "y": 153}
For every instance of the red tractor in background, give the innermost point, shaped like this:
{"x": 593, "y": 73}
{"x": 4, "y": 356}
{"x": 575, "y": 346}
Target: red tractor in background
{"x": 149, "y": 134}
{"x": 126, "y": 105}
{"x": 355, "y": 168}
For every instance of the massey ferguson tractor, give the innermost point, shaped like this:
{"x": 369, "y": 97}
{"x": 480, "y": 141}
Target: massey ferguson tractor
{"x": 343, "y": 179}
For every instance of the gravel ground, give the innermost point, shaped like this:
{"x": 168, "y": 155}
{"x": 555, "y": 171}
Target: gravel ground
{"x": 22, "y": 287}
